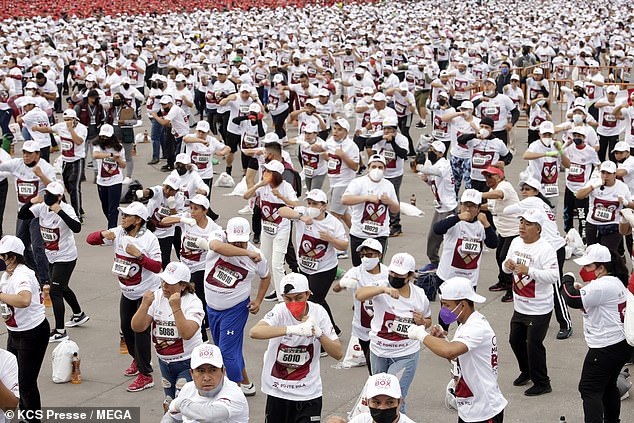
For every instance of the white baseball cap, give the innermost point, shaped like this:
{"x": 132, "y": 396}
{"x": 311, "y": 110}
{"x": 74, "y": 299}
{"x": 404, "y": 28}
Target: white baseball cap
{"x": 183, "y": 158}
{"x": 531, "y": 182}
{"x": 11, "y": 244}
{"x": 382, "y": 384}
{"x": 294, "y": 283}
{"x": 202, "y": 126}
{"x": 201, "y": 200}
{"x": 278, "y": 78}
{"x": 254, "y": 108}
{"x": 608, "y": 166}
{"x": 367, "y": 90}
{"x": 538, "y": 71}
{"x": 379, "y": 97}
{"x": 311, "y": 102}
{"x": 135, "y": 209}
{"x": 31, "y": 146}
{"x": 471, "y": 196}
{"x": 70, "y": 113}
{"x": 372, "y": 244}
{"x": 468, "y": 105}
{"x": 459, "y": 288}
{"x": 271, "y": 137}
{"x": 612, "y": 89}
{"x": 172, "y": 181}
{"x": 534, "y": 216}
{"x": 343, "y": 123}
{"x": 439, "y": 146}
{"x": 377, "y": 158}
{"x": 311, "y": 128}
{"x": 206, "y": 354}
{"x": 546, "y": 127}
{"x": 595, "y": 253}
{"x": 166, "y": 99}
{"x": 317, "y": 195}
{"x": 175, "y": 272}
{"x": 55, "y": 188}
{"x": 245, "y": 88}
{"x": 274, "y": 166}
{"x": 621, "y": 146}
{"x": 323, "y": 92}
{"x": 238, "y": 230}
{"x": 402, "y": 263}
{"x": 106, "y": 130}
{"x": 181, "y": 78}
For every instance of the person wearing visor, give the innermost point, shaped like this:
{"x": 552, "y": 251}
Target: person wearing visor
{"x": 210, "y": 395}
{"x": 473, "y": 347}
{"x": 296, "y": 330}
{"x": 397, "y": 306}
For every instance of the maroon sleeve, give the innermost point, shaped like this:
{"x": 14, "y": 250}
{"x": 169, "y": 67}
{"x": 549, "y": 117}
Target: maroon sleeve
{"x": 94, "y": 238}
{"x": 153, "y": 266}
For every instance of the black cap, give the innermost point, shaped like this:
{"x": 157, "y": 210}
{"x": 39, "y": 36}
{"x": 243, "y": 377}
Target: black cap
{"x": 487, "y": 121}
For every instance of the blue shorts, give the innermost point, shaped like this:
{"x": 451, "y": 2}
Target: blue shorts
{"x": 227, "y": 331}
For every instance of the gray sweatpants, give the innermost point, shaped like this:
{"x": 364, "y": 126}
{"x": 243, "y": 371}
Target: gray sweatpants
{"x": 434, "y": 240}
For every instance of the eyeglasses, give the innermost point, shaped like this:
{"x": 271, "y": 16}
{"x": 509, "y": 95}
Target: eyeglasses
{"x": 370, "y": 255}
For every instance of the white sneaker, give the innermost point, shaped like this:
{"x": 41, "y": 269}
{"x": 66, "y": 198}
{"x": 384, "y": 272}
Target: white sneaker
{"x": 57, "y": 336}
{"x": 77, "y": 320}
{"x": 127, "y": 180}
{"x": 245, "y": 210}
{"x": 248, "y": 390}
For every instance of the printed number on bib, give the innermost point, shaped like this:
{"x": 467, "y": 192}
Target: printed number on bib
{"x": 293, "y": 357}
{"x": 225, "y": 276}
{"x": 371, "y": 227}
{"x": 26, "y": 189}
{"x": 121, "y": 267}
{"x": 270, "y": 228}
{"x": 401, "y": 325}
{"x": 551, "y": 189}
{"x": 165, "y": 331}
{"x": 309, "y": 263}
{"x": 470, "y": 247}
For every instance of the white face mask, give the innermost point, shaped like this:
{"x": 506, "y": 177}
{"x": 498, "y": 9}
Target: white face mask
{"x": 312, "y": 212}
{"x": 547, "y": 141}
{"x": 478, "y": 60}
{"x": 577, "y": 118}
{"x": 484, "y": 133}
{"x": 369, "y": 263}
{"x": 376, "y": 174}
{"x": 367, "y": 98}
{"x": 488, "y": 93}
{"x": 541, "y": 102}
{"x": 467, "y": 113}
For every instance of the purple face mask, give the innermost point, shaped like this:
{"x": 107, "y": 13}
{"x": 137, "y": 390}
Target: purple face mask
{"x": 448, "y": 316}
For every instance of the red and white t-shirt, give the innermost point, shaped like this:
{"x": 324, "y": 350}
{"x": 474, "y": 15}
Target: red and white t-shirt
{"x": 71, "y": 152}
{"x": 272, "y": 222}
{"x": 313, "y": 163}
{"x": 462, "y": 251}
{"x": 339, "y": 174}
{"x": 370, "y": 220}
{"x": 170, "y": 346}
{"x": 192, "y": 256}
{"x": 108, "y": 171}
{"x": 364, "y": 310}
{"x": 26, "y": 318}
{"x": 202, "y": 155}
{"x": 604, "y": 205}
{"x": 291, "y": 368}
{"x": 315, "y": 255}
{"x": 580, "y": 170}
{"x": 604, "y": 302}
{"x": 158, "y": 210}
{"x": 59, "y": 242}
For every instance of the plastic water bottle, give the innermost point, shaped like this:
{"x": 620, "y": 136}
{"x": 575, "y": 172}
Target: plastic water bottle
{"x": 562, "y": 419}
{"x": 75, "y": 377}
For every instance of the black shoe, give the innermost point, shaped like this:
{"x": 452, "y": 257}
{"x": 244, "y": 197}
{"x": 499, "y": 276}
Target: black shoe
{"x": 362, "y": 168}
{"x": 564, "y": 333}
{"x": 521, "y": 380}
{"x": 421, "y": 124}
{"x": 395, "y": 231}
{"x": 228, "y": 170}
{"x": 153, "y": 161}
{"x": 167, "y": 168}
{"x": 271, "y": 297}
{"x": 507, "y": 298}
{"x": 536, "y": 390}
{"x": 498, "y": 287}
{"x": 256, "y": 239}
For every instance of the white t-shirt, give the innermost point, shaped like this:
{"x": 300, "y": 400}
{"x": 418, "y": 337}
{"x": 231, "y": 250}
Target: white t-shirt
{"x": 462, "y": 251}
{"x": 134, "y": 279}
{"x": 158, "y": 210}
{"x": 192, "y": 256}
{"x": 442, "y": 186}
{"x": 238, "y": 108}
{"x": 71, "y": 152}
{"x": 339, "y": 174}
{"x": 109, "y": 173}
{"x": 364, "y": 310}
{"x": 27, "y": 318}
{"x": 59, "y": 242}
{"x": 272, "y": 222}
{"x": 179, "y": 120}
{"x": 315, "y": 255}
{"x": 170, "y": 346}
{"x": 628, "y": 125}
{"x": 9, "y": 376}
{"x": 604, "y": 302}
{"x": 506, "y": 224}
{"x": 628, "y": 165}
{"x": 580, "y": 170}
{"x": 478, "y": 395}
{"x": 609, "y": 125}
{"x": 392, "y": 318}
{"x": 27, "y": 184}
{"x": 440, "y": 128}
{"x": 603, "y": 203}
{"x": 223, "y": 88}
{"x": 486, "y": 153}
{"x": 202, "y": 155}
{"x": 228, "y": 279}
{"x": 457, "y": 127}
{"x": 370, "y": 220}
{"x": 230, "y": 397}
{"x": 550, "y": 231}
{"x": 367, "y": 418}
{"x": 291, "y": 367}
{"x": 533, "y": 293}
{"x": 37, "y": 117}
{"x": 545, "y": 169}
{"x": 393, "y": 164}
{"x": 313, "y": 163}
{"x": 497, "y": 108}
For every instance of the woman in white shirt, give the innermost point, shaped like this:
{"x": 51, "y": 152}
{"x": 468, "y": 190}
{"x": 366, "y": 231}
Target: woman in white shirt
{"x": 24, "y": 314}
{"x": 272, "y": 193}
{"x": 175, "y": 314}
{"x": 110, "y": 158}
{"x": 602, "y": 300}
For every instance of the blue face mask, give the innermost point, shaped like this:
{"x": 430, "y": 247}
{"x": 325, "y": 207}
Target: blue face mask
{"x": 448, "y": 316}
{"x": 504, "y": 71}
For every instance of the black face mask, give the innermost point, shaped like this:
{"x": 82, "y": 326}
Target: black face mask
{"x": 620, "y": 161}
{"x": 50, "y": 199}
{"x": 32, "y": 164}
{"x": 117, "y": 102}
{"x": 396, "y": 282}
{"x": 126, "y": 86}
{"x": 432, "y": 157}
{"x": 442, "y": 101}
{"x": 387, "y": 415}
{"x": 181, "y": 170}
{"x": 296, "y": 63}
{"x": 129, "y": 228}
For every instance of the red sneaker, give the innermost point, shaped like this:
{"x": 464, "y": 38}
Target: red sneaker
{"x": 140, "y": 383}
{"x": 132, "y": 370}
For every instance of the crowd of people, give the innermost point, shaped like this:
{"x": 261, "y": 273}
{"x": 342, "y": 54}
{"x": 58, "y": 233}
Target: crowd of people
{"x": 319, "y": 103}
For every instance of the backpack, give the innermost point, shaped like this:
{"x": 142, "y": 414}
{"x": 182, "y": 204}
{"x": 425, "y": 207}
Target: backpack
{"x": 429, "y": 282}
{"x": 127, "y": 195}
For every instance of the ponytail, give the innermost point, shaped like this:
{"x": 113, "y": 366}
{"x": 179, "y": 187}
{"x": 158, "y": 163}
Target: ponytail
{"x": 617, "y": 268}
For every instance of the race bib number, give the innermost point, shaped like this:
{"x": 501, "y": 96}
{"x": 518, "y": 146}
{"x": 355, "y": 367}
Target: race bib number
{"x": 551, "y": 190}
{"x": 479, "y": 161}
{"x": 309, "y": 263}
{"x": 602, "y": 214}
{"x": 371, "y": 227}
{"x": 190, "y": 243}
{"x": 576, "y": 170}
{"x": 270, "y": 228}
{"x": 249, "y": 141}
{"x": 27, "y": 189}
{"x": 470, "y": 246}
{"x": 244, "y": 110}
{"x": 308, "y": 172}
{"x": 121, "y": 267}
{"x": 272, "y": 107}
{"x": 293, "y": 357}
{"x": 389, "y": 155}
{"x": 164, "y": 330}
{"x": 67, "y": 147}
{"x": 401, "y": 325}
{"x": 225, "y": 276}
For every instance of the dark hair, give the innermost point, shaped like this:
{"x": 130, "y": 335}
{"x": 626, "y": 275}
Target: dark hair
{"x": 19, "y": 258}
{"x": 189, "y": 287}
{"x": 276, "y": 178}
{"x": 110, "y": 142}
{"x": 506, "y": 63}
{"x": 616, "y": 267}
{"x": 273, "y": 147}
{"x": 149, "y": 224}
{"x": 40, "y": 75}
{"x": 92, "y": 93}
{"x": 545, "y": 200}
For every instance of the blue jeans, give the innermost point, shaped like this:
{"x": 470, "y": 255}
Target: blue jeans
{"x": 156, "y": 134}
{"x": 171, "y": 374}
{"x": 110, "y": 197}
{"x": 406, "y": 364}
{"x": 5, "y": 119}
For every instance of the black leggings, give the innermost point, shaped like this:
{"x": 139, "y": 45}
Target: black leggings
{"x": 319, "y": 284}
{"x": 278, "y": 123}
{"x": 139, "y": 343}
{"x": 365, "y": 347}
{"x": 197, "y": 279}
{"x": 166, "y": 250}
{"x": 29, "y": 347}
{"x": 59, "y": 276}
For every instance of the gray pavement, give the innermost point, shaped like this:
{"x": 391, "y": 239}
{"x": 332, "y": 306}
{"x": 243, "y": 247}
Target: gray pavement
{"x": 102, "y": 365}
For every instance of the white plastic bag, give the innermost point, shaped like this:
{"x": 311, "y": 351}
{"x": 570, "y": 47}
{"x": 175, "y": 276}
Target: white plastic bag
{"x": 239, "y": 189}
{"x": 628, "y": 323}
{"x": 409, "y": 210}
{"x": 63, "y": 361}
{"x": 574, "y": 244}
{"x": 225, "y": 181}
{"x": 361, "y": 405}
{"x": 354, "y": 355}
{"x": 16, "y": 131}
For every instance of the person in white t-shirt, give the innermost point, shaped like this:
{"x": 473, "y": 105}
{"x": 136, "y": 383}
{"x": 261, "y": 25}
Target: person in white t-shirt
{"x": 383, "y": 398}
{"x": 136, "y": 265}
{"x": 24, "y": 315}
{"x": 532, "y": 262}
{"x": 602, "y": 298}
{"x": 210, "y": 396}
{"x": 202, "y": 148}
{"x": 609, "y": 126}
{"x": 34, "y": 117}
{"x": 10, "y": 395}
{"x": 473, "y": 347}
{"x": 110, "y": 160}
{"x": 396, "y": 307}
{"x": 291, "y": 375}
{"x": 314, "y": 165}
{"x": 175, "y": 117}
{"x": 175, "y": 314}
{"x": 318, "y": 237}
